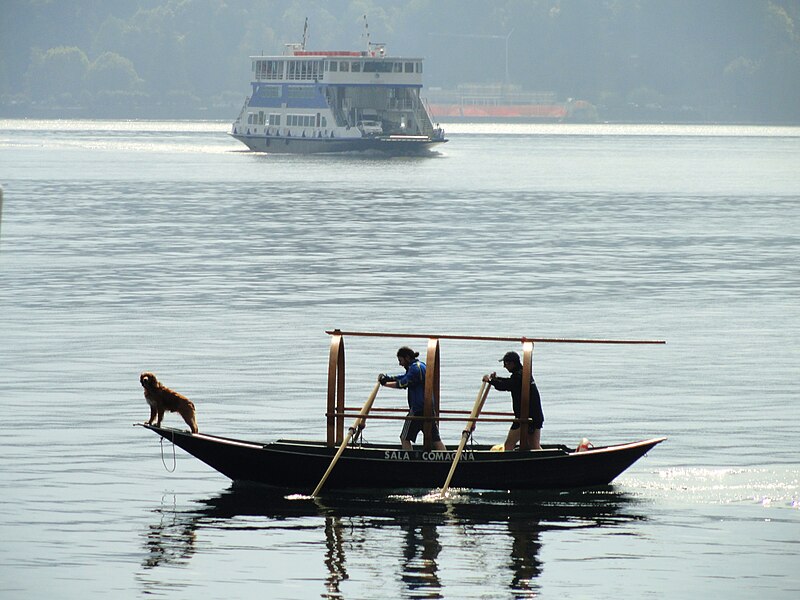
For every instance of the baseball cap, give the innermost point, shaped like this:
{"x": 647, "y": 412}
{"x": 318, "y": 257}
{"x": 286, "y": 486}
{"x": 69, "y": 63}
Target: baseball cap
{"x": 511, "y": 357}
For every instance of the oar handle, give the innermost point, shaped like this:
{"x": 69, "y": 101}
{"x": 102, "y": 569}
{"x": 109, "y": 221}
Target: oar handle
{"x": 362, "y": 415}
{"x": 476, "y": 409}
{"x": 478, "y": 406}
{"x": 357, "y": 424}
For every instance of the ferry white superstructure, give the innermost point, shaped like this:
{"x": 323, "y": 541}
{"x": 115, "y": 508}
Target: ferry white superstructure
{"x": 336, "y": 101}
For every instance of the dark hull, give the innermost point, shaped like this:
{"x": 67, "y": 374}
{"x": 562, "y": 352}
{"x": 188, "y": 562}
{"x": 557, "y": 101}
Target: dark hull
{"x": 393, "y": 145}
{"x": 299, "y": 465}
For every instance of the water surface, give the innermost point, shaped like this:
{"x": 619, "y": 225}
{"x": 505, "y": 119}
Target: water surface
{"x": 164, "y": 246}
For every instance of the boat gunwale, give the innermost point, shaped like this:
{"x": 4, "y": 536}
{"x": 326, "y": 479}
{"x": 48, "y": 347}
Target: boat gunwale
{"x": 283, "y": 445}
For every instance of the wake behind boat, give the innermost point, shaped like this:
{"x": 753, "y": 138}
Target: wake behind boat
{"x": 309, "y": 101}
{"x": 346, "y": 462}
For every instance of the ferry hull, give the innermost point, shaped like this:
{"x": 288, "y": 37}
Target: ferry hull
{"x": 393, "y": 145}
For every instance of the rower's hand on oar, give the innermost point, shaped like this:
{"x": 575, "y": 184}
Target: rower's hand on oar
{"x": 488, "y": 378}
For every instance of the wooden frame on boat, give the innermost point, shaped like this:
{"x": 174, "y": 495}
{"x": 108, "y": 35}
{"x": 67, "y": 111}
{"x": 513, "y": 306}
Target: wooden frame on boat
{"x": 337, "y": 410}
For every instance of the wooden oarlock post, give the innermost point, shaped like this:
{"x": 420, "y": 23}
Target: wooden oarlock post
{"x": 358, "y": 424}
{"x": 476, "y": 410}
{"x": 524, "y": 409}
{"x": 431, "y": 409}
{"x": 335, "y": 417}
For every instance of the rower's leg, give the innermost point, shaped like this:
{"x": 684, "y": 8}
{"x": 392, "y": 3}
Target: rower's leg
{"x": 536, "y": 440}
{"x": 512, "y": 440}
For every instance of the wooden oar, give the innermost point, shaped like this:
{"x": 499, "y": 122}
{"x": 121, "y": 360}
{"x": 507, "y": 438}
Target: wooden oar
{"x": 479, "y": 401}
{"x": 357, "y": 424}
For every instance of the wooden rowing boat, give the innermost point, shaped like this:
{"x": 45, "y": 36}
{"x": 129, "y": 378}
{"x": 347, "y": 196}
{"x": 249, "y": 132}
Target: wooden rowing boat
{"x": 299, "y": 465}
{"x": 346, "y": 462}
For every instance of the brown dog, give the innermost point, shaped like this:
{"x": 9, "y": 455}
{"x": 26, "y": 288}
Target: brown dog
{"x": 161, "y": 399}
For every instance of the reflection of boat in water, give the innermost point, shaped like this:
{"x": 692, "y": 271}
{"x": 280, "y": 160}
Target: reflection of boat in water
{"x": 336, "y": 101}
{"x": 599, "y": 506}
{"x": 299, "y": 465}
{"x": 501, "y": 103}
{"x": 514, "y": 521}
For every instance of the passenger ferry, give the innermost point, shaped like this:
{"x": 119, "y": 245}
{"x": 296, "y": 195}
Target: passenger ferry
{"x": 336, "y": 101}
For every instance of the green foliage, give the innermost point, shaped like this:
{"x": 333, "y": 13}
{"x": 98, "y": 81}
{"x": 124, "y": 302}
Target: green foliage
{"x": 729, "y": 58}
{"x": 56, "y": 72}
{"x": 112, "y": 72}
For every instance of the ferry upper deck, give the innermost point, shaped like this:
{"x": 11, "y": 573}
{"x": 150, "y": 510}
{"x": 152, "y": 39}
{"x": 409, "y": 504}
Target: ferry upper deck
{"x": 338, "y": 67}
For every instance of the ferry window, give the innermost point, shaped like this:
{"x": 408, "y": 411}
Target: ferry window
{"x": 275, "y": 120}
{"x": 377, "y": 66}
{"x": 355, "y": 67}
{"x": 333, "y": 65}
{"x": 419, "y": 67}
{"x": 261, "y": 117}
{"x": 270, "y": 91}
{"x": 409, "y": 67}
{"x": 324, "y": 122}
{"x": 344, "y": 66}
{"x": 300, "y": 91}
{"x": 397, "y": 67}
{"x": 274, "y": 69}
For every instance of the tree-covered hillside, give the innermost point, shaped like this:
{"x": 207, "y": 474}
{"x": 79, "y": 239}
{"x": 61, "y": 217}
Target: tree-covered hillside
{"x": 712, "y": 60}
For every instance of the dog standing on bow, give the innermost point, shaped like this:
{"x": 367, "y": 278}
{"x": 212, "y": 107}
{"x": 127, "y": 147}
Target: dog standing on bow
{"x": 162, "y": 399}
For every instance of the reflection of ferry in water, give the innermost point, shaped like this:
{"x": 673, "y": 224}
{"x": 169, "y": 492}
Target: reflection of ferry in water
{"x": 473, "y": 102}
{"x": 333, "y": 101}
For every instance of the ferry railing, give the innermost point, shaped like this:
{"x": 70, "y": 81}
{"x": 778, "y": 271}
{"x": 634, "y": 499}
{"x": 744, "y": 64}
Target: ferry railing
{"x": 242, "y": 112}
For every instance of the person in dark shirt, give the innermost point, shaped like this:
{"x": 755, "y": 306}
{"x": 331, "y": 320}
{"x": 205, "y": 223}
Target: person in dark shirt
{"x": 513, "y": 384}
{"x": 413, "y": 380}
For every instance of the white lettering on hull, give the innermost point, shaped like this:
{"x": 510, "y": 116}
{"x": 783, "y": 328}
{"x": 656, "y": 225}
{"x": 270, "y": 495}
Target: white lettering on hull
{"x": 434, "y": 455}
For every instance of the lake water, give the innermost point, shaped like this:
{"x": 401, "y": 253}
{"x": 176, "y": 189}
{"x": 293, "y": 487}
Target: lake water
{"x": 165, "y": 246}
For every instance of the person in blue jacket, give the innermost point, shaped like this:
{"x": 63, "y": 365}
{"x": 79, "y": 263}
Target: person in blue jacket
{"x": 413, "y": 380}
